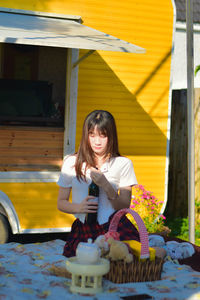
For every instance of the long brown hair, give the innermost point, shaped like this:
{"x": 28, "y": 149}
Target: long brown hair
{"x": 105, "y": 123}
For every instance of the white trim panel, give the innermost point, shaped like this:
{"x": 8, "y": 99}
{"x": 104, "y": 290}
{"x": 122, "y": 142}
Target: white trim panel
{"x": 46, "y": 230}
{"x": 71, "y": 102}
{"x": 169, "y": 114}
{"x": 29, "y": 176}
{"x": 21, "y": 28}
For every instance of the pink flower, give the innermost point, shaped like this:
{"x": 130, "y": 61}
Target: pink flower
{"x": 152, "y": 207}
{"x": 141, "y": 186}
{"x": 148, "y": 192}
{"x": 163, "y": 217}
{"x": 135, "y": 201}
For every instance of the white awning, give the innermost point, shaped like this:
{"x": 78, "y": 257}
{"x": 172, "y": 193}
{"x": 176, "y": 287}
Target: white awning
{"x": 43, "y": 29}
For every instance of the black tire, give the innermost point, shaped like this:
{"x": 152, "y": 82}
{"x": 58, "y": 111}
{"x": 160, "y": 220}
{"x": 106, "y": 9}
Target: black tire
{"x": 4, "y": 229}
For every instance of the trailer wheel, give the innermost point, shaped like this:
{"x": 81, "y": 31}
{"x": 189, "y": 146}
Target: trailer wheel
{"x": 4, "y": 229}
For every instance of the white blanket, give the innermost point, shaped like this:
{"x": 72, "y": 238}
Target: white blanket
{"x": 25, "y": 273}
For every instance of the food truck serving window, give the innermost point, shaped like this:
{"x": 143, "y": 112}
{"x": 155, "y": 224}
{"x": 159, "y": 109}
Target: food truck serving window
{"x": 32, "y": 88}
{"x": 43, "y": 60}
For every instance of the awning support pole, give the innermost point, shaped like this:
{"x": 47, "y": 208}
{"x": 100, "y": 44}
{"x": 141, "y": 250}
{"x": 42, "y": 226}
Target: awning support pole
{"x": 83, "y": 57}
{"x": 190, "y": 120}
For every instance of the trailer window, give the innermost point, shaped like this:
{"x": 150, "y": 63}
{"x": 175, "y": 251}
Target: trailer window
{"x": 32, "y": 85}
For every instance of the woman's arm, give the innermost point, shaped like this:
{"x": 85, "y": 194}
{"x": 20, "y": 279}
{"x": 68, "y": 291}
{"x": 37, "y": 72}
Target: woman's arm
{"x": 64, "y": 205}
{"x": 118, "y": 200}
{"x": 121, "y": 199}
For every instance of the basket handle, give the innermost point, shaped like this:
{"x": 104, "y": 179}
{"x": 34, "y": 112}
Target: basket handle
{"x": 144, "y": 240}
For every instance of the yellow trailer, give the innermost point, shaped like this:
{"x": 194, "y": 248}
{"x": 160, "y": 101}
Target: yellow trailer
{"x": 59, "y": 60}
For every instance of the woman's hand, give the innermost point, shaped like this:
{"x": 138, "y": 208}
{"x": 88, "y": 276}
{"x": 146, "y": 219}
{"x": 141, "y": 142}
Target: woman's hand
{"x": 98, "y": 177}
{"x": 118, "y": 199}
{"x": 88, "y": 205}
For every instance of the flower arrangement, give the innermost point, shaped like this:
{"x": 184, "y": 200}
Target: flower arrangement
{"x": 148, "y": 207}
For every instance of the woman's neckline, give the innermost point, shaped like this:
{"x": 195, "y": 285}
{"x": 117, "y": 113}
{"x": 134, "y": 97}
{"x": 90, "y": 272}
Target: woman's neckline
{"x": 102, "y": 162}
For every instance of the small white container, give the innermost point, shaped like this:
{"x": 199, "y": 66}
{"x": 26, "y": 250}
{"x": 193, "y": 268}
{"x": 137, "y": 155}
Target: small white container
{"x": 88, "y": 253}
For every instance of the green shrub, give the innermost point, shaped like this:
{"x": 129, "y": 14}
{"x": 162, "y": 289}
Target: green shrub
{"x": 180, "y": 229}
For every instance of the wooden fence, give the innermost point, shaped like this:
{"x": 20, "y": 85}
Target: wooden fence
{"x": 178, "y": 168}
{"x": 197, "y": 150}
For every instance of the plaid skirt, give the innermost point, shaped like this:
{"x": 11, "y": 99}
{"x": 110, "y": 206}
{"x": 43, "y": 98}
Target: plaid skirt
{"x": 81, "y": 232}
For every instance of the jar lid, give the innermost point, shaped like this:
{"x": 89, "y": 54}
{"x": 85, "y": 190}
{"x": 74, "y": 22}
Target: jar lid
{"x": 89, "y": 245}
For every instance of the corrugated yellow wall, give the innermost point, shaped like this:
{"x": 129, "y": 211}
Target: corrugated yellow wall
{"x": 31, "y": 200}
{"x": 133, "y": 87}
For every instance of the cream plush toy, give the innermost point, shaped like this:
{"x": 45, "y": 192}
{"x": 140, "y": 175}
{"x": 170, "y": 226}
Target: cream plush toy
{"x": 119, "y": 251}
{"x": 102, "y": 244}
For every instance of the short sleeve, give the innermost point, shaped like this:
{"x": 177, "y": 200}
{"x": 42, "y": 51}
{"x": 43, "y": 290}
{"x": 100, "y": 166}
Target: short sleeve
{"x": 67, "y": 172}
{"x": 127, "y": 174}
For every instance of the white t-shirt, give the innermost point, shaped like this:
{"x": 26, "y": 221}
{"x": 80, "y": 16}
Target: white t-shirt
{"x": 119, "y": 172}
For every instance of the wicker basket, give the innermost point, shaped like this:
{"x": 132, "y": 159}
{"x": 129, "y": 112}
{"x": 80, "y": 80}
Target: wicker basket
{"x": 137, "y": 270}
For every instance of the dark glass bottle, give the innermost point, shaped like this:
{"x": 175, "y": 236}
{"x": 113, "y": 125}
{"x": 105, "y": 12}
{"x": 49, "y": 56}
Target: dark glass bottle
{"x": 93, "y": 190}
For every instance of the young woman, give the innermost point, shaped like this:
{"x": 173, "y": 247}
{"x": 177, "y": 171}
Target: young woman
{"x": 97, "y": 160}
